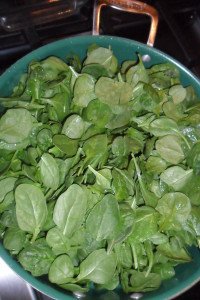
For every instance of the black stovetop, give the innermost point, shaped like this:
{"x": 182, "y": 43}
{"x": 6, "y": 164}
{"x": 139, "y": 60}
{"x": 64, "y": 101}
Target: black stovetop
{"x": 26, "y": 25}
{"x": 178, "y": 33}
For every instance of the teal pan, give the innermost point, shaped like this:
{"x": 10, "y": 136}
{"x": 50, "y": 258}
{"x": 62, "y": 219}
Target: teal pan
{"x": 187, "y": 274}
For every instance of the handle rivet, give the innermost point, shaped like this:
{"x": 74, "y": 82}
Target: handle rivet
{"x": 146, "y": 58}
{"x": 136, "y": 296}
{"x": 79, "y": 295}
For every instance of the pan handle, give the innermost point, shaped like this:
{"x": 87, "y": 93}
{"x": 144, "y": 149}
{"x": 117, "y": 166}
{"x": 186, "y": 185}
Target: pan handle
{"x": 129, "y": 6}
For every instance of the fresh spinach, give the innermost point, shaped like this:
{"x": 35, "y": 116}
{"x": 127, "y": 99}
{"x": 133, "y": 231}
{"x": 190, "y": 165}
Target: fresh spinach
{"x": 98, "y": 267}
{"x": 175, "y": 209}
{"x": 6, "y": 186}
{"x": 70, "y": 209}
{"x": 49, "y": 171}
{"x": 37, "y": 257}
{"x": 74, "y": 127}
{"x": 31, "y": 208}
{"x": 15, "y": 126}
{"x": 170, "y": 148}
{"x": 99, "y": 172}
{"x": 176, "y": 177}
{"x": 61, "y": 270}
{"x": 103, "y": 220}
{"x": 14, "y": 240}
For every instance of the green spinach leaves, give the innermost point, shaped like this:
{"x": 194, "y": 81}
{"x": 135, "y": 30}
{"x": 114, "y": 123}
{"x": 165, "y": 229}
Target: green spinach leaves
{"x": 100, "y": 172}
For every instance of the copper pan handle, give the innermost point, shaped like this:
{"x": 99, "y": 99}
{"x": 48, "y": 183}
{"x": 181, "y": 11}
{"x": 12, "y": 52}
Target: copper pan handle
{"x": 131, "y": 6}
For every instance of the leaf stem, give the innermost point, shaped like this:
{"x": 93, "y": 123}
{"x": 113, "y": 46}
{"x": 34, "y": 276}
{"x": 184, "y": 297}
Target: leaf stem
{"x": 35, "y": 234}
{"x": 138, "y": 172}
{"x": 134, "y": 256}
{"x": 110, "y": 246}
{"x": 185, "y": 140}
{"x": 192, "y": 107}
{"x": 136, "y": 166}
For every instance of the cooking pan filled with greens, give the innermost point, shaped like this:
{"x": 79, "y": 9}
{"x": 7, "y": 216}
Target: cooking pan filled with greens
{"x": 100, "y": 172}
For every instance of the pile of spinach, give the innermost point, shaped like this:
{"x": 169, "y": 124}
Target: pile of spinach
{"x": 100, "y": 172}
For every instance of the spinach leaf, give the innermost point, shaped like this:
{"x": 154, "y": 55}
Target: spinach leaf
{"x": 149, "y": 198}
{"x": 104, "y": 57}
{"x": 49, "y": 171}
{"x": 65, "y": 144}
{"x": 31, "y": 208}
{"x": 44, "y": 139}
{"x": 2, "y": 229}
{"x": 175, "y": 209}
{"x": 14, "y": 240}
{"x": 37, "y": 257}
{"x": 8, "y": 217}
{"x": 98, "y": 267}
{"x": 119, "y": 120}
{"x": 138, "y": 137}
{"x": 123, "y": 184}
{"x": 170, "y": 148}
{"x": 15, "y": 125}
{"x": 53, "y": 66}
{"x": 176, "y": 177}
{"x": 58, "y": 106}
{"x": 103, "y": 213}
{"x": 74, "y": 127}
{"x": 155, "y": 165}
{"x": 120, "y": 146}
{"x": 103, "y": 178}
{"x": 166, "y": 271}
{"x": 96, "y": 70}
{"x": 88, "y": 244}
{"x": 144, "y": 121}
{"x": 145, "y": 98}
{"x": 192, "y": 189}
{"x": 110, "y": 285}
{"x": 103, "y": 220}
{"x": 57, "y": 241}
{"x": 137, "y": 73}
{"x": 163, "y": 126}
{"x": 174, "y": 252}
{"x": 74, "y": 61}
{"x": 98, "y": 113}
{"x": 193, "y": 158}
{"x": 178, "y": 93}
{"x": 49, "y": 223}
{"x": 86, "y": 83}
{"x": 194, "y": 220}
{"x": 6, "y": 186}
{"x": 61, "y": 270}
{"x": 7, "y": 202}
{"x": 70, "y": 209}
{"x": 96, "y": 152}
{"x": 145, "y": 225}
{"x": 159, "y": 238}
{"x": 163, "y": 76}
{"x": 124, "y": 255}
{"x": 126, "y": 65}
{"x": 173, "y": 111}
{"x": 112, "y": 92}
{"x": 5, "y": 158}
{"x": 126, "y": 226}
{"x": 139, "y": 282}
